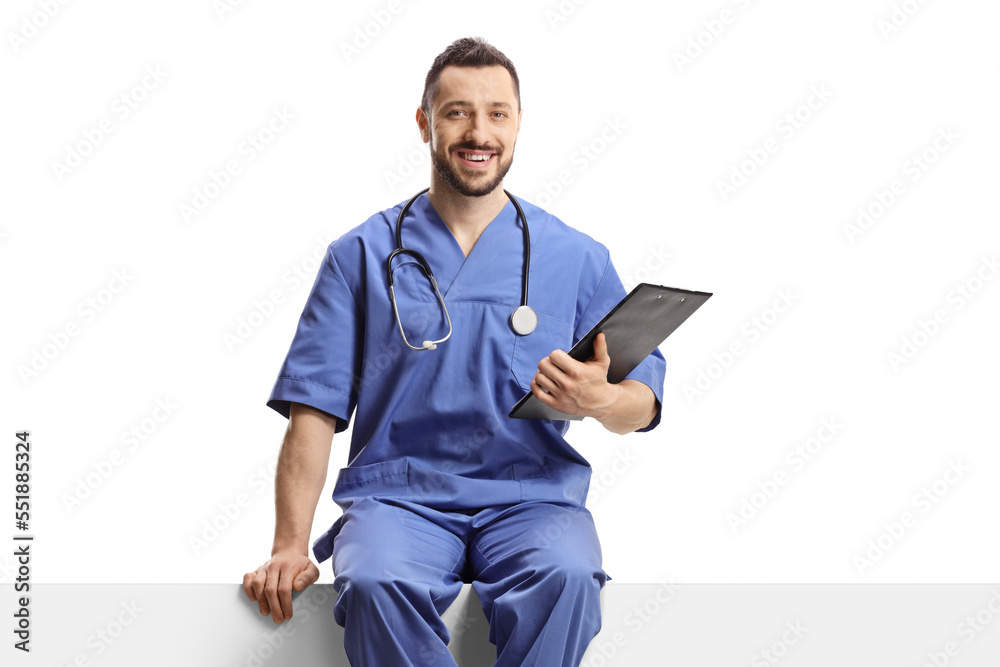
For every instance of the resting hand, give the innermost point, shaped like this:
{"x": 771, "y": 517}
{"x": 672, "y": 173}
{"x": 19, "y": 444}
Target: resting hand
{"x": 271, "y": 584}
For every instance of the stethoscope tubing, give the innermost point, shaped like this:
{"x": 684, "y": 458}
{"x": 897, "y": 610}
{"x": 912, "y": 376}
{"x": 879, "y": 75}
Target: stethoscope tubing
{"x": 401, "y": 250}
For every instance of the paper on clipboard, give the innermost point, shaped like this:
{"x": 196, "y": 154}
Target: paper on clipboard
{"x": 632, "y": 329}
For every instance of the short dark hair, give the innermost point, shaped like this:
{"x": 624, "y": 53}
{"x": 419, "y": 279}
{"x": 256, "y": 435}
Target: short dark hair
{"x": 466, "y": 52}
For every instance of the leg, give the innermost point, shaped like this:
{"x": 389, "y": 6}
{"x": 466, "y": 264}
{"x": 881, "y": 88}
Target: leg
{"x": 539, "y": 577}
{"x": 396, "y": 574}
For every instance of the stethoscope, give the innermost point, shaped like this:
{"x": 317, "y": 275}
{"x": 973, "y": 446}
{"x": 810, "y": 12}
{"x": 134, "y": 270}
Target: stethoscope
{"x": 523, "y": 320}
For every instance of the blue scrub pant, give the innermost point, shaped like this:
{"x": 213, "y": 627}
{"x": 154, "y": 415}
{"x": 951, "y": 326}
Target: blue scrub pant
{"x": 536, "y": 567}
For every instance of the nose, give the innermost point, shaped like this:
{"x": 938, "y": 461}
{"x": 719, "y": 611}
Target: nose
{"x": 476, "y": 130}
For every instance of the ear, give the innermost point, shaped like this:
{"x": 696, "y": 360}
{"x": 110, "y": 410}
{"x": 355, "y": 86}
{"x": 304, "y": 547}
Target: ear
{"x": 520, "y": 112}
{"x": 423, "y": 123}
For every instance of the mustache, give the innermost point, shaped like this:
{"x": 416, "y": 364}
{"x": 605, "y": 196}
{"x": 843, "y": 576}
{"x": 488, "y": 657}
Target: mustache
{"x": 474, "y": 147}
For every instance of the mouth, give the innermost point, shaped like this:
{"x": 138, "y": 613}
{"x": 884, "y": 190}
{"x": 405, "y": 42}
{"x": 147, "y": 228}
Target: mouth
{"x": 475, "y": 159}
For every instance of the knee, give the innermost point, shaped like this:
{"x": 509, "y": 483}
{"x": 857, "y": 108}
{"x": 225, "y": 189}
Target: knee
{"x": 374, "y": 590}
{"x": 362, "y": 582}
{"x": 573, "y": 575}
{"x": 359, "y": 587}
{"x": 556, "y": 595}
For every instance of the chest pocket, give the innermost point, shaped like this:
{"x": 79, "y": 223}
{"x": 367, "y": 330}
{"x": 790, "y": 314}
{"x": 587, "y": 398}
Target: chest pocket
{"x": 550, "y": 334}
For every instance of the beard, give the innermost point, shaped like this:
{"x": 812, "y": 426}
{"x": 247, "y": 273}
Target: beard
{"x": 477, "y": 187}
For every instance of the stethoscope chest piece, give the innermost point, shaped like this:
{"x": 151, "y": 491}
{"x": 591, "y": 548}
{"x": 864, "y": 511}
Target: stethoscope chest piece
{"x": 523, "y": 320}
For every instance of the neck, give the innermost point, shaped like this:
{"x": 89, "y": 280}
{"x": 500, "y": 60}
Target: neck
{"x": 466, "y": 217}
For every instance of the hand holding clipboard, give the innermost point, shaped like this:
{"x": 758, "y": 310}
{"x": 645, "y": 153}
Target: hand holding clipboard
{"x": 632, "y": 329}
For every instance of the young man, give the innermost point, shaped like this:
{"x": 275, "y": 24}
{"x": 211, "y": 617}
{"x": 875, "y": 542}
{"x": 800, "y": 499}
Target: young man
{"x": 442, "y": 487}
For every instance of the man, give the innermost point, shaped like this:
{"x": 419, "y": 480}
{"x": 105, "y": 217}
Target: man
{"x": 442, "y": 487}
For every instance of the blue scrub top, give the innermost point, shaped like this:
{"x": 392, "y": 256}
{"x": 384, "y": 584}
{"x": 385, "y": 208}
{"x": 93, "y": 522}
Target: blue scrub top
{"x": 431, "y": 426}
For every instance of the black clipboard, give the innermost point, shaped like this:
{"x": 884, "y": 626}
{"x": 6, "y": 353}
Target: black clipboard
{"x": 632, "y": 329}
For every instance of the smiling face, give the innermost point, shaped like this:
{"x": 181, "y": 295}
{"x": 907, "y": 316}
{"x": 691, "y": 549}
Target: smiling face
{"x": 472, "y": 129}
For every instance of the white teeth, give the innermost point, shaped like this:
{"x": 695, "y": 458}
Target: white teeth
{"x": 476, "y": 158}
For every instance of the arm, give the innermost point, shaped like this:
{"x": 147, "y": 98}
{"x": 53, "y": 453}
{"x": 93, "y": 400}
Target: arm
{"x": 582, "y": 388}
{"x": 298, "y": 483}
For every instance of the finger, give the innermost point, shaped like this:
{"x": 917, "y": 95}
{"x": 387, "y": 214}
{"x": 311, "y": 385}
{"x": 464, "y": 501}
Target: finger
{"x": 552, "y": 372}
{"x": 540, "y": 393}
{"x": 561, "y": 360}
{"x": 601, "y": 349}
{"x": 285, "y": 591}
{"x": 555, "y": 381}
{"x": 307, "y": 577}
{"x": 273, "y": 597}
{"x": 545, "y": 383}
{"x": 259, "y": 583}
{"x": 248, "y": 586}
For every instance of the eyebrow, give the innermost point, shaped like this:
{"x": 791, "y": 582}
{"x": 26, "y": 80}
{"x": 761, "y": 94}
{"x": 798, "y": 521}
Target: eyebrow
{"x": 464, "y": 103}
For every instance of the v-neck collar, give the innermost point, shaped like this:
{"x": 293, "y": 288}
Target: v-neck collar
{"x": 428, "y": 234}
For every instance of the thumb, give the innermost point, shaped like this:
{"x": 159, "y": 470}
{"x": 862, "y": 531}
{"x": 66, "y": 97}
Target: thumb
{"x": 306, "y": 577}
{"x": 601, "y": 350}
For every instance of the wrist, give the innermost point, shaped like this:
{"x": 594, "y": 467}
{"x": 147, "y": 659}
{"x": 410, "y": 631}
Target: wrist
{"x": 615, "y": 395}
{"x": 293, "y": 546}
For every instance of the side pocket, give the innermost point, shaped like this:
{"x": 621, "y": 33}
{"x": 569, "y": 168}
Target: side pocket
{"x": 550, "y": 334}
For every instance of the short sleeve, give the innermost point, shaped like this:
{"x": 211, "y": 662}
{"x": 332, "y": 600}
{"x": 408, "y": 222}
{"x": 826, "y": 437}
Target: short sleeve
{"x": 652, "y": 371}
{"x": 325, "y": 355}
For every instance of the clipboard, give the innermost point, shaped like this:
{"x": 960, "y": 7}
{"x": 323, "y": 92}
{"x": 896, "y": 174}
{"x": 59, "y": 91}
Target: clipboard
{"x": 632, "y": 330}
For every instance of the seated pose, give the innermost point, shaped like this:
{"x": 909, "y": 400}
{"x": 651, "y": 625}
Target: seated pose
{"x": 441, "y": 487}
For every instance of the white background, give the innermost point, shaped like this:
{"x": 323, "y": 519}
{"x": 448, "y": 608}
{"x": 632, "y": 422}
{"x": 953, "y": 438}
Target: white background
{"x": 678, "y": 129}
